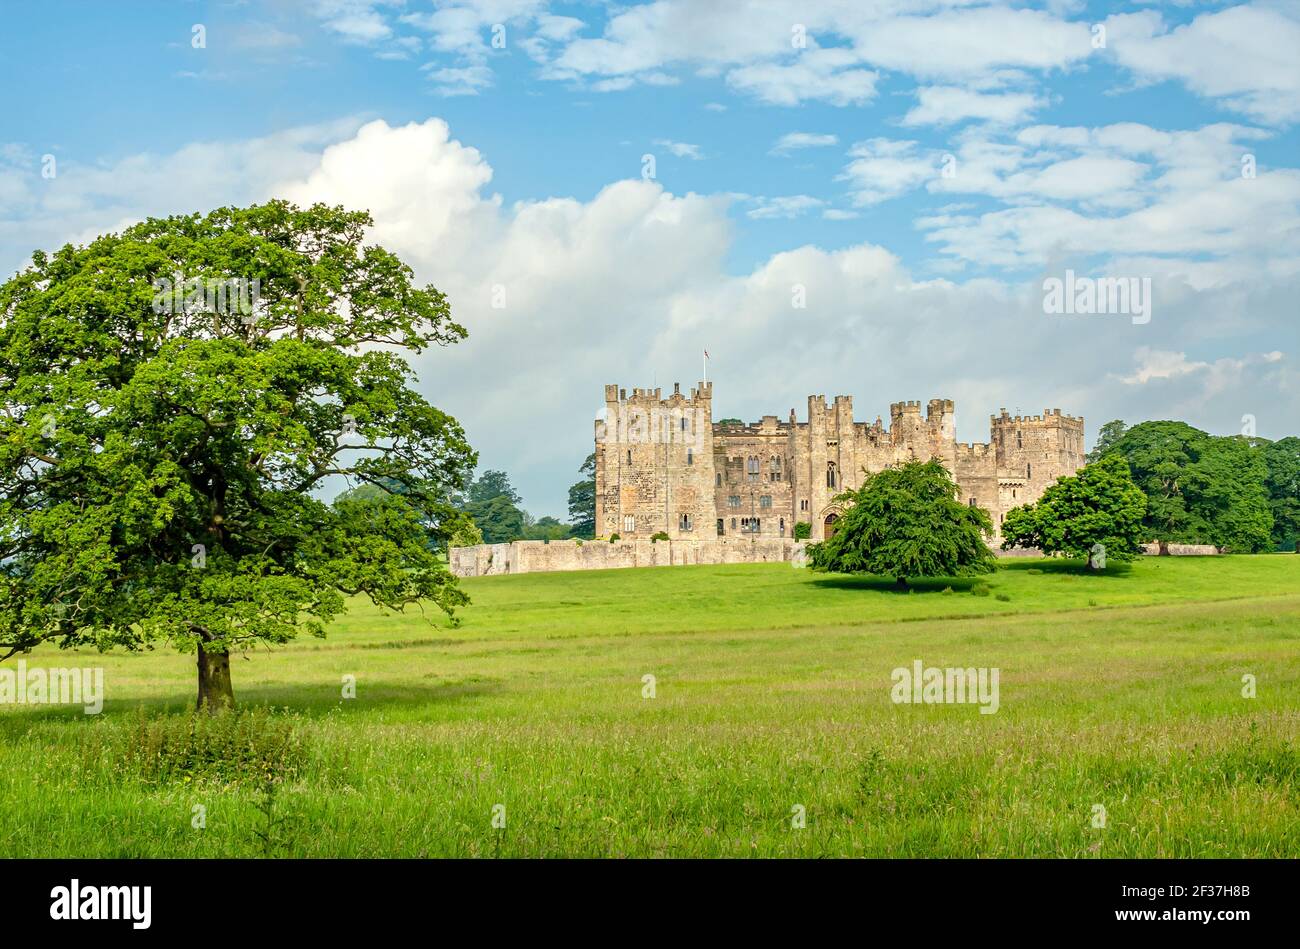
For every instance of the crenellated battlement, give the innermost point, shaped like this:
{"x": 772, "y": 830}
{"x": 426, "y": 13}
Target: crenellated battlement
{"x": 664, "y": 465}
{"x": 702, "y": 392}
{"x": 1051, "y": 418}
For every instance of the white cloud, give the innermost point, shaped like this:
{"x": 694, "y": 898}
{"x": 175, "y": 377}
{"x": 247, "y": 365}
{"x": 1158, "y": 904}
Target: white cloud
{"x": 628, "y": 285}
{"x": 1244, "y": 56}
{"x": 946, "y": 105}
{"x": 818, "y": 75}
{"x": 357, "y": 21}
{"x": 786, "y": 206}
{"x": 796, "y": 140}
{"x": 882, "y": 169}
{"x": 680, "y": 149}
{"x": 460, "y": 81}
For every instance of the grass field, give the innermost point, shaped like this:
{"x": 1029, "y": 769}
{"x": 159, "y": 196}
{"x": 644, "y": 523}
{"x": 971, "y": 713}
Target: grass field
{"x": 772, "y": 690}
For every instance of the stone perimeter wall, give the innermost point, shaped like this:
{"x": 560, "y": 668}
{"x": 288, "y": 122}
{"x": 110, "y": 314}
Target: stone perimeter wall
{"x": 536, "y": 556}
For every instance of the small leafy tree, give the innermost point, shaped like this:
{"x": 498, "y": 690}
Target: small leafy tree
{"x": 802, "y": 530}
{"x": 161, "y": 443}
{"x": 1110, "y": 433}
{"x": 907, "y": 523}
{"x": 582, "y": 500}
{"x": 1099, "y": 504}
{"x": 493, "y": 503}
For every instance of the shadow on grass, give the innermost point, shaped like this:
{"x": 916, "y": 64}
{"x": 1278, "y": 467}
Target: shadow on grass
{"x": 844, "y": 581}
{"x": 1057, "y": 566}
{"x": 311, "y": 701}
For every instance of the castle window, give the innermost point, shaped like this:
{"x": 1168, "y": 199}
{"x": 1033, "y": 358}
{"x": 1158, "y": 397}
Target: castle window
{"x": 765, "y": 501}
{"x": 1019, "y": 442}
{"x": 721, "y": 527}
{"x": 783, "y": 527}
{"x": 803, "y": 505}
{"x": 776, "y": 468}
{"x": 629, "y": 456}
{"x": 752, "y": 468}
{"x": 683, "y": 424}
{"x": 629, "y": 523}
{"x": 749, "y": 525}
{"x": 733, "y": 523}
{"x": 719, "y": 481}
{"x": 972, "y": 502}
{"x": 733, "y": 500}
{"x": 684, "y": 522}
{"x": 690, "y": 457}
{"x": 831, "y": 477}
{"x": 1029, "y": 470}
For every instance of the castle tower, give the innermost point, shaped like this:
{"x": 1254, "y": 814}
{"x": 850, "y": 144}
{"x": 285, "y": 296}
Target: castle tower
{"x": 1035, "y": 450}
{"x": 654, "y": 463}
{"x": 907, "y": 429}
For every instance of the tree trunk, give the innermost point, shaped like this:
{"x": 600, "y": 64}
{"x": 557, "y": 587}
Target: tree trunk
{"x": 215, "y": 692}
{"x": 1164, "y": 548}
{"x": 900, "y": 582}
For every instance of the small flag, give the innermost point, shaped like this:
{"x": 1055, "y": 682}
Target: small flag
{"x": 706, "y": 354}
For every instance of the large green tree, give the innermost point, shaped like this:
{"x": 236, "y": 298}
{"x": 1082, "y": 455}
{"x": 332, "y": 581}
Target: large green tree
{"x": 1200, "y": 489}
{"x": 162, "y": 440}
{"x": 582, "y": 500}
{"x": 1099, "y": 504}
{"x": 1282, "y": 480}
{"x": 907, "y": 523}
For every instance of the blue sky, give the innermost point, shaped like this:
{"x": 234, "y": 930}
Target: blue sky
{"x": 520, "y": 166}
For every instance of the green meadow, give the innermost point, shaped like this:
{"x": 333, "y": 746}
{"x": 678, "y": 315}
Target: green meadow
{"x": 528, "y": 729}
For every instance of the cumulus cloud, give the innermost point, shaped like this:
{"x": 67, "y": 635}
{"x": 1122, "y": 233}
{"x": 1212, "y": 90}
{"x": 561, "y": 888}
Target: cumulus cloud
{"x": 1244, "y": 56}
{"x": 947, "y": 105}
{"x": 627, "y": 285}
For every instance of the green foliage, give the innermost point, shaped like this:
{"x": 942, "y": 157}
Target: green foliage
{"x": 658, "y": 536}
{"x": 244, "y": 746}
{"x": 1282, "y": 480}
{"x": 547, "y": 528}
{"x": 614, "y": 537}
{"x": 582, "y": 500}
{"x": 802, "y": 530}
{"x": 730, "y": 421}
{"x": 159, "y": 452}
{"x": 1099, "y": 504}
{"x": 1200, "y": 489}
{"x": 543, "y": 662}
{"x": 907, "y": 523}
{"x": 466, "y": 534}
{"x": 1110, "y": 433}
{"x": 493, "y": 503}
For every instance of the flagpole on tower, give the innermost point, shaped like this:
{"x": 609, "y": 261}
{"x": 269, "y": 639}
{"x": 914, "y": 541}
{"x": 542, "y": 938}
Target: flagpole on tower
{"x": 705, "y": 360}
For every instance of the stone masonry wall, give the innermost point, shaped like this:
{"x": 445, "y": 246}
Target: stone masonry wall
{"x": 535, "y": 556}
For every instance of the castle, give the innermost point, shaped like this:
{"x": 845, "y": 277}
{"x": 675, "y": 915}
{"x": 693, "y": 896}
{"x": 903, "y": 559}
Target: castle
{"x": 664, "y": 466}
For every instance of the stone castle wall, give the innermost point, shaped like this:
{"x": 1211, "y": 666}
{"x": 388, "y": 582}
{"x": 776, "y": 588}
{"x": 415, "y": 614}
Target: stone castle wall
{"x": 663, "y": 464}
{"x": 536, "y": 556}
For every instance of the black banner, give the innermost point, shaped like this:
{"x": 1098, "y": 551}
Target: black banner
{"x": 149, "y": 899}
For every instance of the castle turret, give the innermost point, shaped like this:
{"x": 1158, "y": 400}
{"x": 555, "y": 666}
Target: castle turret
{"x": 654, "y": 463}
{"x": 1037, "y": 449}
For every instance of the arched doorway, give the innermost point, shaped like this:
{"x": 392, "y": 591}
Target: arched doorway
{"x": 828, "y": 528}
